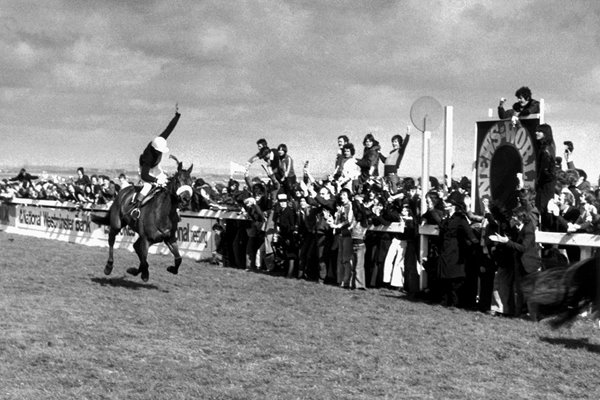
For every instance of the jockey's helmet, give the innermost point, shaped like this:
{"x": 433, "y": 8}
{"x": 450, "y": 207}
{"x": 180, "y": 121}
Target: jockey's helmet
{"x": 160, "y": 144}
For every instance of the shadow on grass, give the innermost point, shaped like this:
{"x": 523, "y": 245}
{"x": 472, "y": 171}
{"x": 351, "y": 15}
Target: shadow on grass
{"x": 124, "y": 283}
{"x": 573, "y": 343}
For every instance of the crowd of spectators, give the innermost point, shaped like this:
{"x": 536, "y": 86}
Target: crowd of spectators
{"x": 83, "y": 189}
{"x": 357, "y": 229}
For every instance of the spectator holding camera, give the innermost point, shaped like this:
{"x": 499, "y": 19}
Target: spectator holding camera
{"x": 582, "y": 183}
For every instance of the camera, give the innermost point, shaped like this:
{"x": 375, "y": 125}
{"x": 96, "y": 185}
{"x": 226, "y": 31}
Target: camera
{"x": 569, "y": 145}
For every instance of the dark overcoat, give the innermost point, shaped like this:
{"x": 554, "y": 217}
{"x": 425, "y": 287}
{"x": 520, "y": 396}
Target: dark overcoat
{"x": 456, "y": 239}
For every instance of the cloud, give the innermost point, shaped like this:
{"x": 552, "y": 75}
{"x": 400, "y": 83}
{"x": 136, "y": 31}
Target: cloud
{"x": 297, "y": 71}
{"x": 93, "y": 65}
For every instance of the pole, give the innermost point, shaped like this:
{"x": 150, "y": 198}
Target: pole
{"x": 448, "y": 141}
{"x": 424, "y": 189}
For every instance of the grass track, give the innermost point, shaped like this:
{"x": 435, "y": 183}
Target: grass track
{"x": 69, "y": 332}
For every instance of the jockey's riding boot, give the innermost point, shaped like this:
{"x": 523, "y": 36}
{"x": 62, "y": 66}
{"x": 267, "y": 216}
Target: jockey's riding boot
{"x": 137, "y": 203}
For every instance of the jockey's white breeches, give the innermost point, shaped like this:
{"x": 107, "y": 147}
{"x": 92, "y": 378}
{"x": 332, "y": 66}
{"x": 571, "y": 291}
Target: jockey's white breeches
{"x": 156, "y": 172}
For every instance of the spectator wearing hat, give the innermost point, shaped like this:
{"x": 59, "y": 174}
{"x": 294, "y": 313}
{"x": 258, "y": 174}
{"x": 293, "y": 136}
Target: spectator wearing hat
{"x": 411, "y": 195}
{"x": 392, "y": 247}
{"x": 201, "y": 199}
{"x": 456, "y": 237}
{"x": 307, "y": 229}
{"x": 524, "y": 106}
{"x": 325, "y": 205}
{"x": 433, "y": 216}
{"x": 254, "y": 230}
{"x": 286, "y": 221}
{"x": 582, "y": 183}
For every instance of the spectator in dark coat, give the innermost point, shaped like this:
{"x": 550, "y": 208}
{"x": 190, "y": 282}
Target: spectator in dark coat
{"x": 524, "y": 106}
{"x": 526, "y": 253}
{"x": 546, "y": 171}
{"x": 456, "y": 238}
{"x": 24, "y": 176}
{"x": 82, "y": 179}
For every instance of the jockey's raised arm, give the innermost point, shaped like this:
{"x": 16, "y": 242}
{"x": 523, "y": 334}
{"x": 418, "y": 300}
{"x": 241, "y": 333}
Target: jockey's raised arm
{"x": 150, "y": 171}
{"x": 165, "y": 134}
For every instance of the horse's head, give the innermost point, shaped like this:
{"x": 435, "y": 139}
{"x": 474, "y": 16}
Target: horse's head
{"x": 182, "y": 182}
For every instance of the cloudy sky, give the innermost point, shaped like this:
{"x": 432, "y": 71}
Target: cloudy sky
{"x": 90, "y": 83}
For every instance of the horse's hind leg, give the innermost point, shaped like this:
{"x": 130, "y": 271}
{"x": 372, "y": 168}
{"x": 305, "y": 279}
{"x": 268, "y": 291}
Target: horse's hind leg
{"x": 174, "y": 269}
{"x": 141, "y": 249}
{"x": 112, "y": 234}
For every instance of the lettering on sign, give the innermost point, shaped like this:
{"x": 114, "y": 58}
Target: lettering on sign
{"x": 53, "y": 220}
{"x": 503, "y": 133}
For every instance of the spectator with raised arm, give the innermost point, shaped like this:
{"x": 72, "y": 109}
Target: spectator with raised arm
{"x": 391, "y": 163}
{"x": 23, "y": 176}
{"x": 524, "y": 106}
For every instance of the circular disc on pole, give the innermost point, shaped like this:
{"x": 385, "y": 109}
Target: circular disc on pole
{"x": 426, "y": 113}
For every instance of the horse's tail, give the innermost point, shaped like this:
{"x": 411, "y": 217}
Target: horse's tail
{"x": 101, "y": 219}
{"x": 580, "y": 291}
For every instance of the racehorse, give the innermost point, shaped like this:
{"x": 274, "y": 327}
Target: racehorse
{"x": 157, "y": 220}
{"x": 564, "y": 292}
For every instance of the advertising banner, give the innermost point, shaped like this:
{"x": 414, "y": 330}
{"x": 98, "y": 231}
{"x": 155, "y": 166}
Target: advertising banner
{"x": 503, "y": 150}
{"x": 194, "y": 234}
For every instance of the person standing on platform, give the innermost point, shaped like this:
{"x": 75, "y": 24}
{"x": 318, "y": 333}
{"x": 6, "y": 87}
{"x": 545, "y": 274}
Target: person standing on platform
{"x": 339, "y": 158}
{"x": 286, "y": 174}
{"x": 524, "y": 106}
{"x": 545, "y": 181}
{"x": 391, "y": 163}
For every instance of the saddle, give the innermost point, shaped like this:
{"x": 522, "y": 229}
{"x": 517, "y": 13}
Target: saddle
{"x": 153, "y": 192}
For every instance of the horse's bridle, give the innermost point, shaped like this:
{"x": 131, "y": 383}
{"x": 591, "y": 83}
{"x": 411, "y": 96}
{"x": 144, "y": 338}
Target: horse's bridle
{"x": 184, "y": 188}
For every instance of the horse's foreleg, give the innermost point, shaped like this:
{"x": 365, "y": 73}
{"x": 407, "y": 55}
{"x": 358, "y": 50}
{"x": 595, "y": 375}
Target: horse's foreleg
{"x": 174, "y": 269}
{"x": 112, "y": 234}
{"x": 141, "y": 249}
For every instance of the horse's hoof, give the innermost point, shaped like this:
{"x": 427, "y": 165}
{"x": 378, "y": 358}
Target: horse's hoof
{"x": 108, "y": 268}
{"x": 172, "y": 269}
{"x": 133, "y": 271}
{"x": 145, "y": 275}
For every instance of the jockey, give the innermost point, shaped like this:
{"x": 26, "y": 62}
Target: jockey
{"x": 150, "y": 171}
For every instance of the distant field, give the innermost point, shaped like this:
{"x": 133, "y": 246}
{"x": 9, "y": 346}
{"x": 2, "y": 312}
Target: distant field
{"x": 69, "y": 332}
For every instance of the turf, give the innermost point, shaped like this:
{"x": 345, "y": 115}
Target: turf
{"x": 69, "y": 332}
